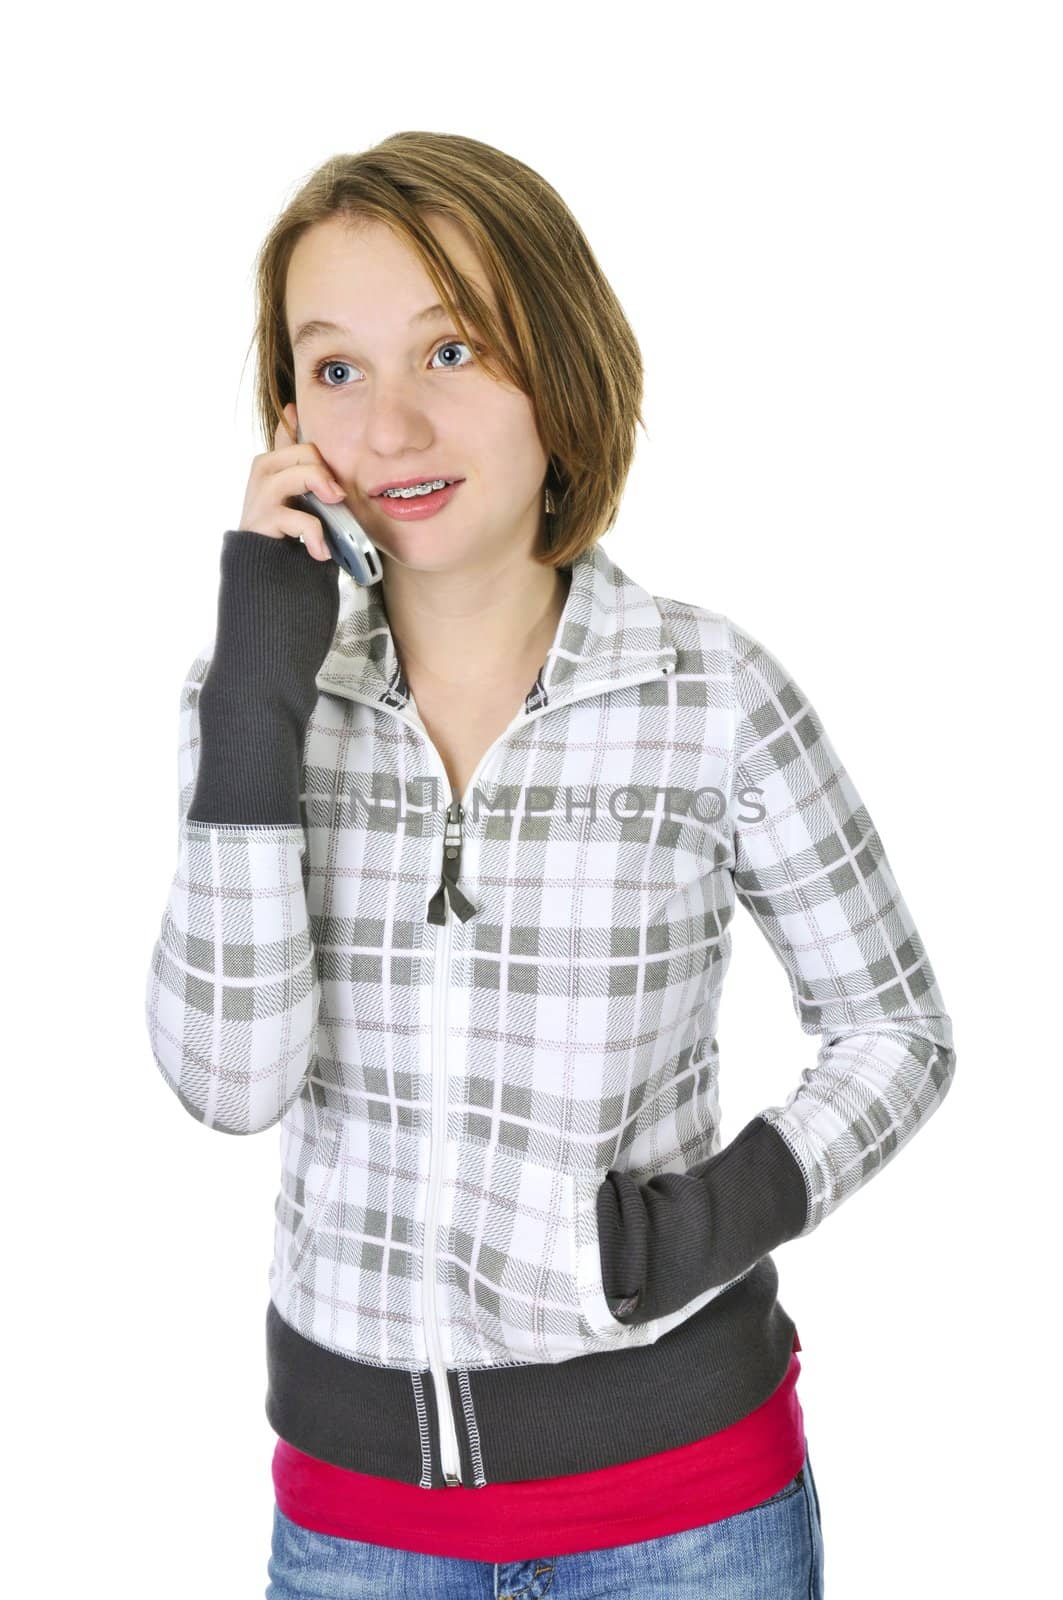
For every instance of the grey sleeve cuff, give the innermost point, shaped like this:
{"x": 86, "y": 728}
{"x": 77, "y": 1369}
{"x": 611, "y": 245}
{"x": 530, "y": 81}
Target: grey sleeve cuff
{"x": 666, "y": 1241}
{"x": 277, "y": 613}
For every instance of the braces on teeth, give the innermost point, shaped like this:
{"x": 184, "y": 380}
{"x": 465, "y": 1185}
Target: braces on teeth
{"x": 419, "y": 488}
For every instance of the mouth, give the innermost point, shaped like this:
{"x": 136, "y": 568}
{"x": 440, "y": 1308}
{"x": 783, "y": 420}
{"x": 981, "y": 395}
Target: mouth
{"x": 413, "y": 483}
{"x": 415, "y": 505}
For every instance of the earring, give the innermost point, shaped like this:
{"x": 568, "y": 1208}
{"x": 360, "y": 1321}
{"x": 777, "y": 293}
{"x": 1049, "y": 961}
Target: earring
{"x": 549, "y": 503}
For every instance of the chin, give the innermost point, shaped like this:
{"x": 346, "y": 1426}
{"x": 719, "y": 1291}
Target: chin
{"x": 423, "y": 549}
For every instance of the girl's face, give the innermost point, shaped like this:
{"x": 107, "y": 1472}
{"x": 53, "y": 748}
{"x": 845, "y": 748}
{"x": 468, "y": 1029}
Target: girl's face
{"x": 388, "y": 396}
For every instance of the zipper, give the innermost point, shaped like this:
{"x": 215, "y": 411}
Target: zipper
{"x": 448, "y": 892}
{"x": 450, "y": 1456}
{"x": 454, "y": 902}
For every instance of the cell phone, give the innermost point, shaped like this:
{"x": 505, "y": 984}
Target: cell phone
{"x": 349, "y": 544}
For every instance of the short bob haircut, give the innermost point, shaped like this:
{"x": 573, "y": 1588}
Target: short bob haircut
{"x": 561, "y": 337}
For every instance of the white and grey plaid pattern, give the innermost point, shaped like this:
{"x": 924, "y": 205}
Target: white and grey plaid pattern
{"x": 569, "y": 1025}
{"x": 813, "y": 872}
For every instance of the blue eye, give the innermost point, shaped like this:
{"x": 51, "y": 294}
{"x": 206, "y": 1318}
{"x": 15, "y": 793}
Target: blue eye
{"x": 322, "y": 366}
{"x": 333, "y": 362}
{"x": 453, "y": 344}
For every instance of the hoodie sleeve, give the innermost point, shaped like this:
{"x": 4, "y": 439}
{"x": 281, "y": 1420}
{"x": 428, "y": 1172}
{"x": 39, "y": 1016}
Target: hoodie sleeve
{"x": 810, "y": 868}
{"x": 232, "y": 993}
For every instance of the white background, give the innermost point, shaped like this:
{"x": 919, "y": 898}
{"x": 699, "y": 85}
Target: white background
{"x": 835, "y": 230}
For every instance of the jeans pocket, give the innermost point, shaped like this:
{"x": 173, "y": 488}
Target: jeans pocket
{"x": 812, "y": 1485}
{"x": 795, "y": 1485}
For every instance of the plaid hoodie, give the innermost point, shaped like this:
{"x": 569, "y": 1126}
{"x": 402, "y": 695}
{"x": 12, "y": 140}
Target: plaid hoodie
{"x": 508, "y": 1243}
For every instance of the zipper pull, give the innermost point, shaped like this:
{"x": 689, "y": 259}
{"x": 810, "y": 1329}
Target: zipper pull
{"x": 448, "y": 884}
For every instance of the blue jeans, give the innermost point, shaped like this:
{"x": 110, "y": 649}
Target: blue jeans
{"x": 774, "y": 1551}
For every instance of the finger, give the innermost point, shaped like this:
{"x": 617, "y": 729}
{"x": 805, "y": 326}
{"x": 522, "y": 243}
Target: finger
{"x": 305, "y": 527}
{"x": 312, "y": 477}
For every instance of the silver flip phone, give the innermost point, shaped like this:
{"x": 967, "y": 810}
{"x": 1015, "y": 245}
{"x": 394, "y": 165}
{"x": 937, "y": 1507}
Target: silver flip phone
{"x": 351, "y": 547}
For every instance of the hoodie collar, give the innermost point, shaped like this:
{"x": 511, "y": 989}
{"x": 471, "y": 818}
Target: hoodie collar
{"x": 610, "y": 631}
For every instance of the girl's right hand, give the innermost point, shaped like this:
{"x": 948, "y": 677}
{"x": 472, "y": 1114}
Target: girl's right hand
{"x": 286, "y": 470}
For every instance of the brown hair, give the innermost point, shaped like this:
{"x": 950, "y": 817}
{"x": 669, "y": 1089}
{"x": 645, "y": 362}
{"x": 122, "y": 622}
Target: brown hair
{"x": 561, "y": 336}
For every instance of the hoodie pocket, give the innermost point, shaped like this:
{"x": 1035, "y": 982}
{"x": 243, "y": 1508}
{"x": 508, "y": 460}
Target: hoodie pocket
{"x": 517, "y": 1272}
{"x": 599, "y": 1324}
{"x": 313, "y": 1192}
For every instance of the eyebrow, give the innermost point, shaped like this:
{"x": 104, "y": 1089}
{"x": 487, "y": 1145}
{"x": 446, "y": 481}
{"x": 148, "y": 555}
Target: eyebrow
{"x": 308, "y": 331}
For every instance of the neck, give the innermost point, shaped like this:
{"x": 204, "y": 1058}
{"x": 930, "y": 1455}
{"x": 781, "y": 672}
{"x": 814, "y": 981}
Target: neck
{"x": 468, "y": 626}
